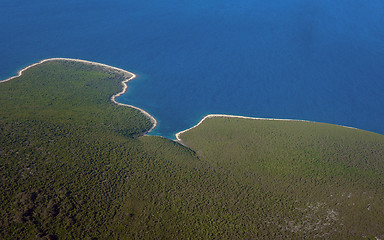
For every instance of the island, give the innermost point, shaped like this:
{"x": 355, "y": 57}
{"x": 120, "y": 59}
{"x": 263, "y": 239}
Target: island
{"x": 76, "y": 164}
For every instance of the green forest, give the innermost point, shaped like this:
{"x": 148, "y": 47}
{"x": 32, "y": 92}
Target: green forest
{"x": 74, "y": 165}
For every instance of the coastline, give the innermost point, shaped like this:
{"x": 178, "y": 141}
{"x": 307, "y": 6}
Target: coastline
{"x": 179, "y": 140}
{"x": 153, "y": 120}
{"x": 113, "y": 97}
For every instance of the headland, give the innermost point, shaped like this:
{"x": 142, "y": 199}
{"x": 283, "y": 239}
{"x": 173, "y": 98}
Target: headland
{"x": 129, "y": 76}
{"x": 179, "y": 140}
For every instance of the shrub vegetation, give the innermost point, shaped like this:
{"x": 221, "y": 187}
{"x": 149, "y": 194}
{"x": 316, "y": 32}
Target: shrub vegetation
{"x": 74, "y": 165}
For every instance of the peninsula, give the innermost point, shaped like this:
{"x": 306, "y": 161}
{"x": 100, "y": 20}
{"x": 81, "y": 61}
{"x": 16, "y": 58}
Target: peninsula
{"x": 75, "y": 163}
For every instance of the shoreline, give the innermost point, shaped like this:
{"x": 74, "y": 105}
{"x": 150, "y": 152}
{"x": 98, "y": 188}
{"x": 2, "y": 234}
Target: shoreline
{"x": 152, "y": 119}
{"x": 113, "y": 97}
{"x": 179, "y": 140}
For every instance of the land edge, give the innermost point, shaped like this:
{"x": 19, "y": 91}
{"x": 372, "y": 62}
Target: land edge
{"x": 153, "y": 120}
{"x": 130, "y": 76}
{"x": 178, "y": 135}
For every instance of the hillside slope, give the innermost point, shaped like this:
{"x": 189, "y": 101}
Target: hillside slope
{"x": 74, "y": 165}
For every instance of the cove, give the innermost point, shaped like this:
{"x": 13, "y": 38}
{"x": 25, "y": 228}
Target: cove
{"x": 314, "y": 60}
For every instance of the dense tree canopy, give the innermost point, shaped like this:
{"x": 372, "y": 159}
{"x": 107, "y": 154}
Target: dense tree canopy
{"x": 75, "y": 165}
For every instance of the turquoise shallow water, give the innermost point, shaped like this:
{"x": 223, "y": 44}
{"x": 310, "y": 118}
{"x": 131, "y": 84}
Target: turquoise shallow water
{"x": 315, "y": 60}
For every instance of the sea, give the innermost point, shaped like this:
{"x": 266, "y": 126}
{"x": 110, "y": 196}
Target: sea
{"x": 317, "y": 60}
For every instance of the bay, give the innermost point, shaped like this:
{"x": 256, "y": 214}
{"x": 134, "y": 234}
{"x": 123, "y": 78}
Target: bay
{"x": 302, "y": 59}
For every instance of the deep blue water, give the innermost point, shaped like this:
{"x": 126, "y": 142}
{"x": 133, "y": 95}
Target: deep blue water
{"x": 305, "y": 59}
